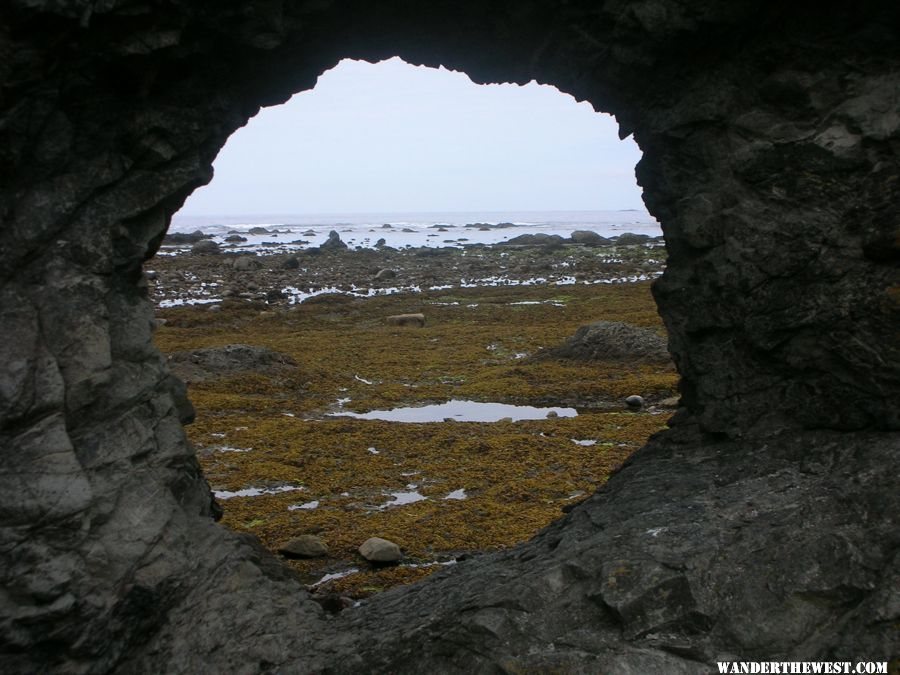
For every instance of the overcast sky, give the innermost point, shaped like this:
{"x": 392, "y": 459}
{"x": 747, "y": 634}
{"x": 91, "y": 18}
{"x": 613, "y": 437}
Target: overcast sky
{"x": 394, "y": 137}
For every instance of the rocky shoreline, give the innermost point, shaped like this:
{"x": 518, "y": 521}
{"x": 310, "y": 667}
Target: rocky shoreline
{"x": 209, "y": 274}
{"x": 293, "y": 455}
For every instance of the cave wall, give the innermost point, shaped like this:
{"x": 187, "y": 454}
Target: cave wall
{"x": 770, "y": 140}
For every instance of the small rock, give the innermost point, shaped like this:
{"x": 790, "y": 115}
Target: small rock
{"x": 380, "y": 550}
{"x": 304, "y": 546}
{"x": 381, "y": 243}
{"x": 634, "y": 401}
{"x": 291, "y": 263}
{"x": 552, "y": 414}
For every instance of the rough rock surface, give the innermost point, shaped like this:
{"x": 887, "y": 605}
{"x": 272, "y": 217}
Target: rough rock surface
{"x": 588, "y": 238}
{"x": 763, "y": 525}
{"x": 376, "y": 549}
{"x": 611, "y": 340}
{"x": 204, "y": 364}
{"x": 304, "y": 546}
{"x": 333, "y": 243}
{"x": 206, "y": 247}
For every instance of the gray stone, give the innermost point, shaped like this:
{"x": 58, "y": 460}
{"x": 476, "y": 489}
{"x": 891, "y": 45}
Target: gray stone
{"x": 304, "y": 546}
{"x": 375, "y": 549}
{"x": 634, "y": 401}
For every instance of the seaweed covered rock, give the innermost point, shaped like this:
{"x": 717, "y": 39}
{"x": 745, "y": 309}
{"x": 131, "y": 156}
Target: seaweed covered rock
{"x": 176, "y": 238}
{"x": 539, "y": 239}
{"x": 611, "y": 341}
{"x": 588, "y": 238}
{"x": 206, "y": 247}
{"x": 205, "y": 364}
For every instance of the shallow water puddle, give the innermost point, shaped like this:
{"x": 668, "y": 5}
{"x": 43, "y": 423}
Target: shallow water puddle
{"x": 256, "y": 492}
{"x": 335, "y": 575}
{"x": 586, "y": 442}
{"x": 460, "y": 411}
{"x": 402, "y": 498}
{"x": 457, "y": 494}
{"x": 308, "y": 506}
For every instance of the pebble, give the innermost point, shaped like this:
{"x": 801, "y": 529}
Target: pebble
{"x": 634, "y": 401}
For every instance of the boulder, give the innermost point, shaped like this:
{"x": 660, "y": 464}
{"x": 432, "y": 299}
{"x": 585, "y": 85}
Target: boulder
{"x": 333, "y": 243}
{"x": 199, "y": 365}
{"x": 406, "y": 320}
{"x": 630, "y": 238}
{"x": 185, "y": 238}
{"x": 246, "y": 263}
{"x": 611, "y": 340}
{"x": 385, "y": 274}
{"x": 259, "y": 230}
{"x": 588, "y": 238}
{"x": 304, "y": 546}
{"x": 539, "y": 239}
{"x": 205, "y": 247}
{"x": 379, "y": 550}
{"x": 235, "y": 238}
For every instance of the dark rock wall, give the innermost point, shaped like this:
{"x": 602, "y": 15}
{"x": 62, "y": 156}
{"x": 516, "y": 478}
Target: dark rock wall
{"x": 770, "y": 139}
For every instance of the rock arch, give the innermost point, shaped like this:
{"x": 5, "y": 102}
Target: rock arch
{"x": 762, "y": 525}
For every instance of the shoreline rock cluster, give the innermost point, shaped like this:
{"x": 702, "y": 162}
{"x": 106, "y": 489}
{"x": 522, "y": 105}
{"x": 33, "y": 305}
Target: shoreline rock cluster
{"x": 211, "y": 273}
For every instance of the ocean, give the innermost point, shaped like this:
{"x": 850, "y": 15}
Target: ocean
{"x": 402, "y": 229}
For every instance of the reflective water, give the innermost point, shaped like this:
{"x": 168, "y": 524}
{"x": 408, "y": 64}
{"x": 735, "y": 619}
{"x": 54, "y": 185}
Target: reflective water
{"x": 461, "y": 411}
{"x": 403, "y": 498}
{"x": 306, "y": 507}
{"x": 255, "y": 492}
